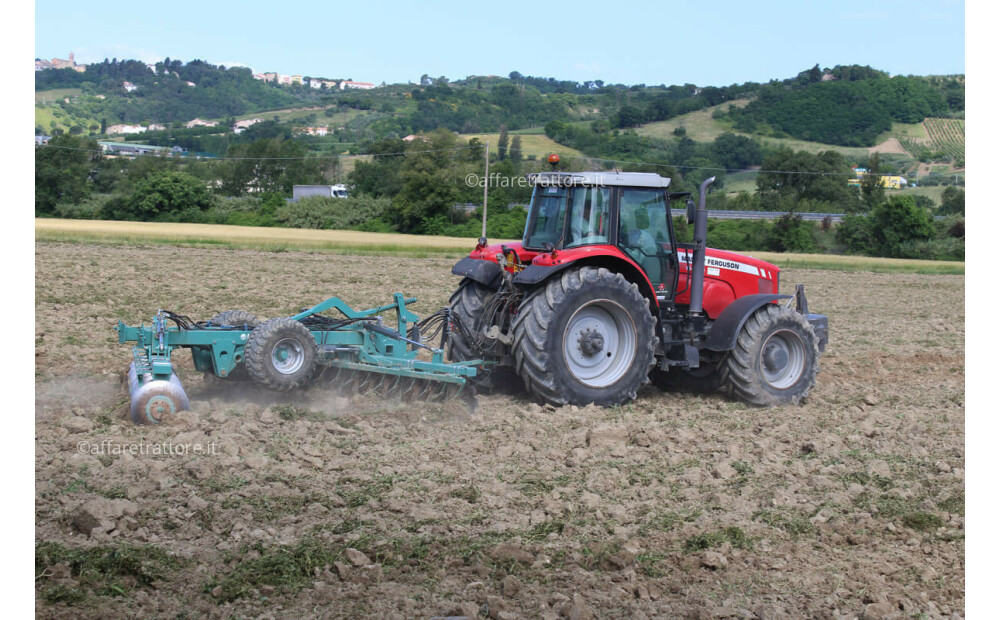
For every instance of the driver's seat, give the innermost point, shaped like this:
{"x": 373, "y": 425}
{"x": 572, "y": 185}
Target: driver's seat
{"x": 640, "y": 244}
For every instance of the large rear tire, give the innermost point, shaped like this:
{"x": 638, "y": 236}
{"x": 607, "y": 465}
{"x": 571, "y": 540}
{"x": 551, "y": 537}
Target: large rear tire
{"x": 586, "y": 336}
{"x": 468, "y": 304}
{"x": 281, "y": 355}
{"x": 775, "y": 360}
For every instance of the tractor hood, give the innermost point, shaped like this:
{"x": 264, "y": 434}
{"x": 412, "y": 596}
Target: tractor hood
{"x": 719, "y": 261}
{"x": 728, "y": 276}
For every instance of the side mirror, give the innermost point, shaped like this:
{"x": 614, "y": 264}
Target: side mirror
{"x": 691, "y": 208}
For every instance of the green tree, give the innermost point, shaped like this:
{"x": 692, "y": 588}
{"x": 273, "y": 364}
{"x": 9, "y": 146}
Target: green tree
{"x": 896, "y": 222}
{"x": 792, "y": 177}
{"x": 736, "y": 152}
{"x": 63, "y": 172}
{"x": 855, "y": 234}
{"x": 164, "y": 196}
{"x": 629, "y": 116}
{"x": 430, "y": 184}
{"x": 952, "y": 201}
{"x": 515, "y": 151}
{"x": 380, "y": 176}
{"x": 268, "y": 165}
{"x": 791, "y": 233}
{"x": 872, "y": 185}
{"x": 502, "y": 143}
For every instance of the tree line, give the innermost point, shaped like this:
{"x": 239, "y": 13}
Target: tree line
{"x": 415, "y": 186}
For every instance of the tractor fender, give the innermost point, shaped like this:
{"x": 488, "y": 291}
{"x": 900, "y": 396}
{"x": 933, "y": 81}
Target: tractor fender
{"x": 535, "y": 274}
{"x": 485, "y": 272}
{"x": 726, "y": 328}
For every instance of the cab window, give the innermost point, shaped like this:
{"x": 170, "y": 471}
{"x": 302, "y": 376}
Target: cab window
{"x": 588, "y": 216}
{"x": 546, "y": 217}
{"x": 642, "y": 228}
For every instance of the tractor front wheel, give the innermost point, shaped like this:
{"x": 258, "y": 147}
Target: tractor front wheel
{"x": 775, "y": 360}
{"x": 281, "y": 355}
{"x": 587, "y": 336}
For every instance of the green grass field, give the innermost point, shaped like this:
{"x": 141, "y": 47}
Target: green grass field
{"x": 56, "y": 94}
{"x": 53, "y": 117}
{"x": 352, "y": 242}
{"x": 272, "y": 239}
{"x": 538, "y": 145}
{"x": 292, "y": 115}
{"x": 699, "y": 126}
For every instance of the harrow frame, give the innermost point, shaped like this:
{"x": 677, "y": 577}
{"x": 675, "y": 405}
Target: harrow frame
{"x": 359, "y": 342}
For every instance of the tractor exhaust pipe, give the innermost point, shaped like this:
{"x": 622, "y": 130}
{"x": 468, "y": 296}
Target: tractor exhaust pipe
{"x": 698, "y": 258}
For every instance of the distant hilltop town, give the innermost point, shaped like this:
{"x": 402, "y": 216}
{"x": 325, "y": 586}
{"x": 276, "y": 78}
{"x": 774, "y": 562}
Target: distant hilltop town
{"x": 277, "y": 78}
{"x": 59, "y": 63}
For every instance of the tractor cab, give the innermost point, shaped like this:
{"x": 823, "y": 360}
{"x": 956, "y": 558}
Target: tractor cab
{"x": 606, "y": 213}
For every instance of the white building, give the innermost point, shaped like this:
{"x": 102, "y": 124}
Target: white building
{"x": 200, "y": 123}
{"x": 359, "y": 85}
{"x": 240, "y": 126}
{"x": 125, "y": 129}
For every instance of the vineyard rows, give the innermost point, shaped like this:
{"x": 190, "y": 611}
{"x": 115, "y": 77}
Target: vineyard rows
{"x": 946, "y": 136}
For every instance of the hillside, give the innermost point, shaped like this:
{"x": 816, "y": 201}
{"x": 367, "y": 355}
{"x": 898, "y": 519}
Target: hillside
{"x": 914, "y": 124}
{"x": 847, "y": 107}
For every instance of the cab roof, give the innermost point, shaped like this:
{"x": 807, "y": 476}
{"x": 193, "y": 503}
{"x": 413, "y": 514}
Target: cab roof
{"x": 599, "y": 179}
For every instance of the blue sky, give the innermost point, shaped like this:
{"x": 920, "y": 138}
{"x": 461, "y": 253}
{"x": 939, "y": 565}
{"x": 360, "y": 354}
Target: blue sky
{"x": 661, "y": 42}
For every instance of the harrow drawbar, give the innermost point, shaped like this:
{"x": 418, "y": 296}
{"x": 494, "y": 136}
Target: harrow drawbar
{"x": 354, "y": 351}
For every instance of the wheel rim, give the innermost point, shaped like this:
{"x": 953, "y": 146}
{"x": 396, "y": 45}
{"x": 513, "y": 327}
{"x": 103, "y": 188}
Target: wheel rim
{"x": 599, "y": 343}
{"x": 288, "y": 356}
{"x": 783, "y": 359}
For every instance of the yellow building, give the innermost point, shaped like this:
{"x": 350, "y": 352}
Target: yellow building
{"x": 886, "y": 181}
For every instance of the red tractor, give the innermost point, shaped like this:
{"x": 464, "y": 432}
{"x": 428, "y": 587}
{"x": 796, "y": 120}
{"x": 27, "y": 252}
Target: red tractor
{"x": 599, "y": 298}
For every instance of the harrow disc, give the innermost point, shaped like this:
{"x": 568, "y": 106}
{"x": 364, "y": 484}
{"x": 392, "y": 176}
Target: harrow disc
{"x": 405, "y": 389}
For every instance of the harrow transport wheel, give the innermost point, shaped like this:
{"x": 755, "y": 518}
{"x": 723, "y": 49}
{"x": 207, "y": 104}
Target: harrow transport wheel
{"x": 281, "y": 355}
{"x": 775, "y": 360}
{"x": 587, "y": 336}
{"x": 468, "y": 304}
{"x": 235, "y": 318}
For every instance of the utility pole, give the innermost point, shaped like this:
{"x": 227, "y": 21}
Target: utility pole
{"x": 486, "y": 190}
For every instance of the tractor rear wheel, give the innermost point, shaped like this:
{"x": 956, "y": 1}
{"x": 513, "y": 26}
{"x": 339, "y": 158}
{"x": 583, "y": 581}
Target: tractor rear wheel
{"x": 468, "y": 305}
{"x": 235, "y": 318}
{"x": 587, "y": 336}
{"x": 775, "y": 360}
{"x": 281, "y": 355}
